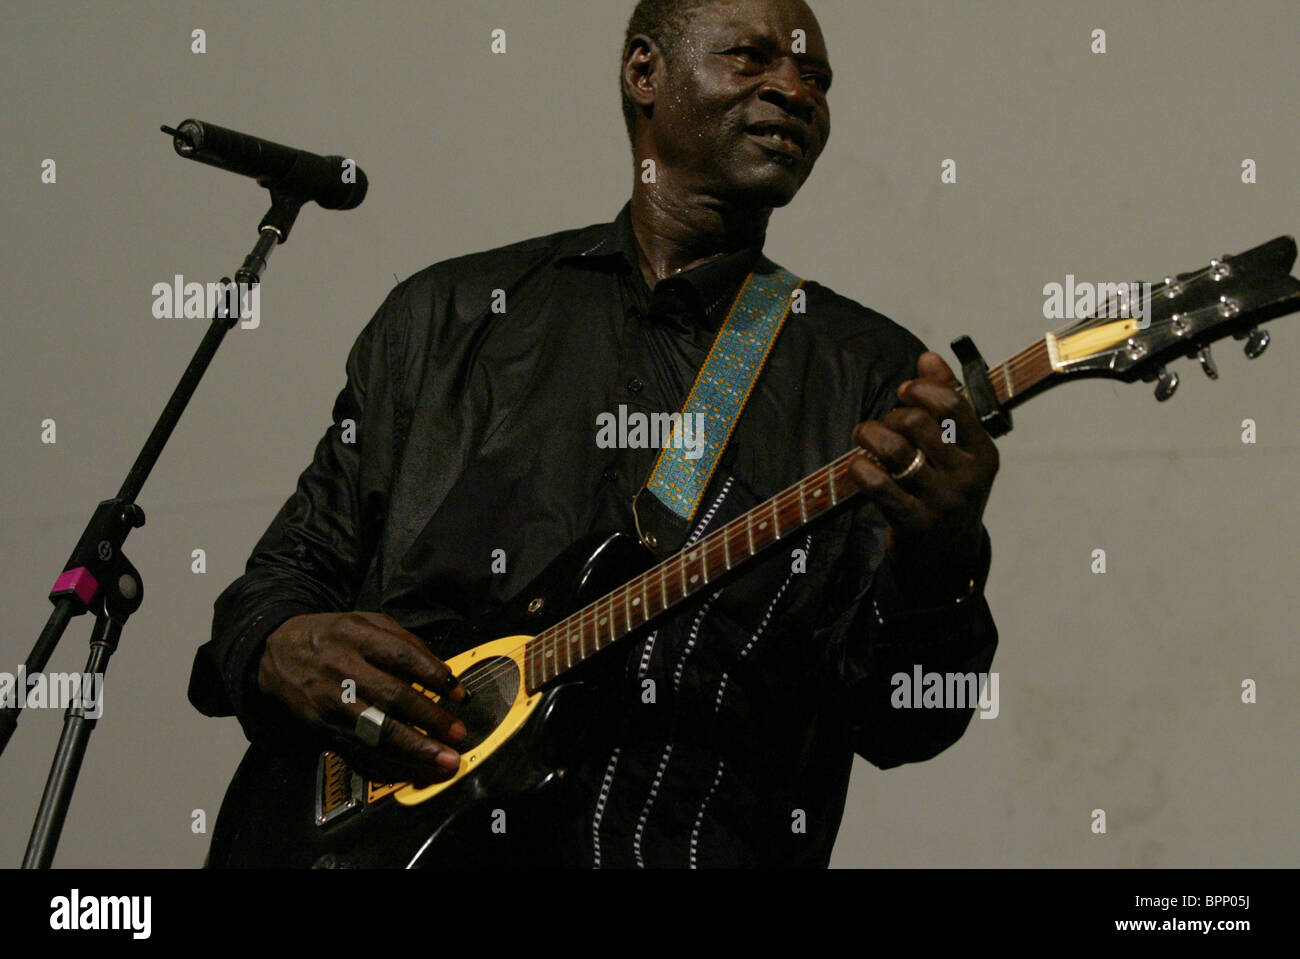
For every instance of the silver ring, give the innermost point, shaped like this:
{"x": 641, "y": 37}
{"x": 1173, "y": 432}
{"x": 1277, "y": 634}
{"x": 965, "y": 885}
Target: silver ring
{"x": 913, "y": 467}
{"x": 370, "y": 724}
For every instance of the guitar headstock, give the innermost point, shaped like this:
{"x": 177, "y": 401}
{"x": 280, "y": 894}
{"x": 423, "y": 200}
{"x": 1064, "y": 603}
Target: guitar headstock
{"x": 1186, "y": 313}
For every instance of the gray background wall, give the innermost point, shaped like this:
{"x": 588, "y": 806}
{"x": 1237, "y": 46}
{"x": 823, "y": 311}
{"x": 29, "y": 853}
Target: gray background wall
{"x": 1119, "y": 692}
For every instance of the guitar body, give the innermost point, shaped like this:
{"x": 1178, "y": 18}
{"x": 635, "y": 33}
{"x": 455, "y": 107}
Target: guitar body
{"x": 310, "y": 809}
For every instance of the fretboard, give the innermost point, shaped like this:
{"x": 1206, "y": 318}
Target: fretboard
{"x": 585, "y": 633}
{"x": 1014, "y": 380}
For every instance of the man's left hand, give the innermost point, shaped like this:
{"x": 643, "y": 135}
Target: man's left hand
{"x": 935, "y": 511}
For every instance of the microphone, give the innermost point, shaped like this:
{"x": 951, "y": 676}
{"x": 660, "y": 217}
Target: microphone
{"x": 304, "y": 175}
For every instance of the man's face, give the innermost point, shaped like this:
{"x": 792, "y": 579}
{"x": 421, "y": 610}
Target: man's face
{"x": 741, "y": 111}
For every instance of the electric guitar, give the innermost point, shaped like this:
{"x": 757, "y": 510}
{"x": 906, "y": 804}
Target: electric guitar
{"x": 520, "y": 666}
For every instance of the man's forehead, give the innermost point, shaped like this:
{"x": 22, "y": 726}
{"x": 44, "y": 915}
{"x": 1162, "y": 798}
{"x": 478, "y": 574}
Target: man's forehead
{"x": 759, "y": 18}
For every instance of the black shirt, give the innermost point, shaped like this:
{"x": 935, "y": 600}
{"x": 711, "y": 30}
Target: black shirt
{"x": 474, "y": 393}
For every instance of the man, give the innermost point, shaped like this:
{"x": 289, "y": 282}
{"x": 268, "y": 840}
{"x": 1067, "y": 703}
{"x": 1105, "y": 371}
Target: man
{"x": 727, "y": 732}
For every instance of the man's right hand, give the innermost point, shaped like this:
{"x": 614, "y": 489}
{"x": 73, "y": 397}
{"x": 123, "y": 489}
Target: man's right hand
{"x": 307, "y": 661}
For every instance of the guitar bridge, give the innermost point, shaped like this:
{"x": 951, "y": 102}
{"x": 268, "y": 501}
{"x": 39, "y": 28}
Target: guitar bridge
{"x": 338, "y": 789}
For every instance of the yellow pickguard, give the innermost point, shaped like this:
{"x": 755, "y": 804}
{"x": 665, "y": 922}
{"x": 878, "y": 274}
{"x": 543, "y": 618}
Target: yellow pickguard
{"x": 511, "y": 647}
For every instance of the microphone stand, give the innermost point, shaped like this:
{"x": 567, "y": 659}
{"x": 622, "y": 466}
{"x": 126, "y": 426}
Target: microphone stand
{"x": 98, "y": 578}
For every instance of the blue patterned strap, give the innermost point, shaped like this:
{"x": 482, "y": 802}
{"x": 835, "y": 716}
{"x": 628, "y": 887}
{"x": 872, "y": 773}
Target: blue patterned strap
{"x": 687, "y": 461}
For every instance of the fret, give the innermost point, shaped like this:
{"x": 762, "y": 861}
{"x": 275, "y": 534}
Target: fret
{"x": 803, "y": 507}
{"x": 627, "y": 611}
{"x": 704, "y": 561}
{"x": 609, "y": 616}
{"x": 681, "y": 566}
{"x": 749, "y": 531}
{"x": 568, "y": 651}
{"x": 776, "y": 521}
{"x": 831, "y": 484}
{"x": 645, "y": 603}
{"x": 726, "y": 549}
{"x": 663, "y": 585}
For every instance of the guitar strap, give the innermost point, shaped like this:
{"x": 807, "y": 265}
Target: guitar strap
{"x": 664, "y": 507}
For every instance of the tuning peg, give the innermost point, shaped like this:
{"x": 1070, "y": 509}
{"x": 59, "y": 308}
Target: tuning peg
{"x": 1256, "y": 343}
{"x": 1207, "y": 362}
{"x": 1166, "y": 384}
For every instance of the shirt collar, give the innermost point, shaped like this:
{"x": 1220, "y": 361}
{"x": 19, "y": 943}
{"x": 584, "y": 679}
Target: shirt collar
{"x": 706, "y": 289}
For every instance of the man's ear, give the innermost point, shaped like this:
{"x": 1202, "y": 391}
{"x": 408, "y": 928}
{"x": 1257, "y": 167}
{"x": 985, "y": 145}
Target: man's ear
{"x": 642, "y": 67}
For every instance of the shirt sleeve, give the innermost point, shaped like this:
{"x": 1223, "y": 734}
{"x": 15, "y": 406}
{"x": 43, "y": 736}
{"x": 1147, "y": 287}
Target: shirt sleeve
{"x": 880, "y": 633}
{"x": 314, "y": 555}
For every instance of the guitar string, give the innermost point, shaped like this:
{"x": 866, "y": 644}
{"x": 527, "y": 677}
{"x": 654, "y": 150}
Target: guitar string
{"x": 1014, "y": 364}
{"x": 587, "y": 617}
{"x": 1030, "y": 356}
{"x": 708, "y": 547}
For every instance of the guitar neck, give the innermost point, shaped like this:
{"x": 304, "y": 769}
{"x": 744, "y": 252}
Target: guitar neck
{"x": 1022, "y": 376}
{"x": 585, "y": 633}
{"x": 1229, "y": 297}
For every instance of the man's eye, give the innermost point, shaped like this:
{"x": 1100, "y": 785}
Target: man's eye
{"x": 822, "y": 81}
{"x": 748, "y": 53}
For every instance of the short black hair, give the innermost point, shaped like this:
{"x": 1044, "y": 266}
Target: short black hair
{"x": 664, "y": 22}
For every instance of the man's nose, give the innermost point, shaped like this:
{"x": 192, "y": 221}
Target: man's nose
{"x": 785, "y": 87}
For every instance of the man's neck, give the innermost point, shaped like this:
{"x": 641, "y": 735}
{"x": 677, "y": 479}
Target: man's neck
{"x": 675, "y": 233}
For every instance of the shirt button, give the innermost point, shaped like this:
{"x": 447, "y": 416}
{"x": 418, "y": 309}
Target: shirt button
{"x": 635, "y": 385}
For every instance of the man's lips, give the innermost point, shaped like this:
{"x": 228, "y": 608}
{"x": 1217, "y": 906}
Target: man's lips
{"x": 773, "y": 140}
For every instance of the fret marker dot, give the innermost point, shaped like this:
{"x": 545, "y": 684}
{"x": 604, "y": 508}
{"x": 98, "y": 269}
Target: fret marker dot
{"x": 549, "y": 651}
{"x": 762, "y": 525}
{"x": 602, "y": 620}
{"x": 694, "y": 578}
{"x": 817, "y": 492}
{"x": 635, "y": 601}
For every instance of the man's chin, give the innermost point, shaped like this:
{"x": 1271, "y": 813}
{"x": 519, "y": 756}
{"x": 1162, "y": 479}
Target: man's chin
{"x": 775, "y": 188}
